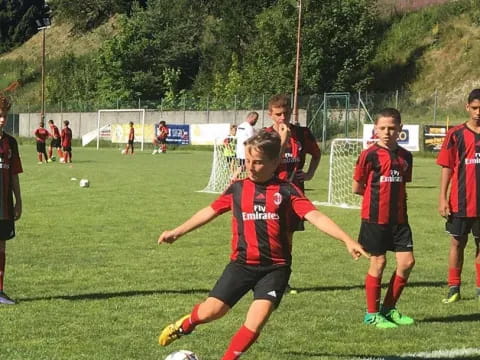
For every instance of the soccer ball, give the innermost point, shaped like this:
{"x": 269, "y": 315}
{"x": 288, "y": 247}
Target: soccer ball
{"x": 84, "y": 183}
{"x": 182, "y": 355}
{"x": 124, "y": 151}
{"x": 62, "y": 160}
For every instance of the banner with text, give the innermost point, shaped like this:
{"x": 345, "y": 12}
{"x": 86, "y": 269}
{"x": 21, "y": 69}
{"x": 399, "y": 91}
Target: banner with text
{"x": 408, "y": 137}
{"x": 205, "y": 134}
{"x": 433, "y": 136}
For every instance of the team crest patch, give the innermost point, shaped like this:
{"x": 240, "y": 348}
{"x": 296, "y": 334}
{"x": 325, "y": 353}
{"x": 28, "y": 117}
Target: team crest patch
{"x": 277, "y": 198}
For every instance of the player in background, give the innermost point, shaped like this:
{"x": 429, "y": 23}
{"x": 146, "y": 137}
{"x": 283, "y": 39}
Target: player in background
{"x": 160, "y": 142}
{"x": 66, "y": 137}
{"x": 380, "y": 176}
{"x": 244, "y": 131}
{"x": 55, "y": 142}
{"x": 300, "y": 142}
{"x": 131, "y": 139}
{"x": 459, "y": 158}
{"x": 230, "y": 147}
{"x": 10, "y": 209}
{"x": 41, "y": 135}
{"x": 260, "y": 259}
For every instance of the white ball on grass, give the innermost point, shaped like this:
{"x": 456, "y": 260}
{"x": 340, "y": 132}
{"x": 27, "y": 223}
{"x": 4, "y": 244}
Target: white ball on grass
{"x": 182, "y": 355}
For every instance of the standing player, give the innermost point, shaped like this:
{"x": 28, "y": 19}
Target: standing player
{"x": 244, "y": 131}
{"x": 381, "y": 174}
{"x": 10, "y": 210}
{"x": 55, "y": 142}
{"x": 300, "y": 142}
{"x": 160, "y": 142}
{"x": 260, "y": 260}
{"x": 67, "y": 142}
{"x": 229, "y": 147}
{"x": 459, "y": 158}
{"x": 41, "y": 135}
{"x": 131, "y": 139}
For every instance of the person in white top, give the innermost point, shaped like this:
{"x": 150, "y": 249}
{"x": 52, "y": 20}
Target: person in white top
{"x": 244, "y": 132}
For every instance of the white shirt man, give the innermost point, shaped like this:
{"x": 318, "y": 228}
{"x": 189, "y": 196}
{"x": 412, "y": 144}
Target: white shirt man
{"x": 245, "y": 131}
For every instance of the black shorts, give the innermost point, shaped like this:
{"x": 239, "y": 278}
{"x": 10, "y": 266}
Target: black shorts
{"x": 237, "y": 280}
{"x": 67, "y": 148}
{"x": 377, "y": 239}
{"x": 7, "y": 229}
{"x": 460, "y": 226}
{"x": 130, "y": 142}
{"x": 55, "y": 143}
{"x": 161, "y": 140}
{"x": 41, "y": 147}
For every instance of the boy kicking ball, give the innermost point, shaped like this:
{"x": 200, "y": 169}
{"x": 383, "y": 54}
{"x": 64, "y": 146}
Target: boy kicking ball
{"x": 262, "y": 207}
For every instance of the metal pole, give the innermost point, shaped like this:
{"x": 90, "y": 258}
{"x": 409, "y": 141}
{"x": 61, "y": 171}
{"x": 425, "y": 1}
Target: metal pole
{"x": 435, "y": 108}
{"x": 297, "y": 64}
{"x": 42, "y": 116}
{"x": 396, "y": 99}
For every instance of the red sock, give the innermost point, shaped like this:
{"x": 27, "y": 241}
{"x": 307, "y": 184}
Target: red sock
{"x": 190, "y": 323}
{"x": 454, "y": 276}
{"x": 372, "y": 290}
{"x": 2, "y": 268}
{"x": 241, "y": 342}
{"x": 397, "y": 283}
{"x": 39, "y": 157}
{"x": 477, "y": 266}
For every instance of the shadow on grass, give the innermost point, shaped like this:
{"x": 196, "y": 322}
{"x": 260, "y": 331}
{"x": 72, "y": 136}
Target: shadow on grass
{"x": 362, "y": 286}
{"x": 454, "y": 318}
{"x": 104, "y": 296}
{"x": 305, "y": 354}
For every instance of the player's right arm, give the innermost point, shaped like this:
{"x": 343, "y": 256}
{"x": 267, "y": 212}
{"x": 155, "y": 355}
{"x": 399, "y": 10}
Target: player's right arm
{"x": 443, "y": 206}
{"x": 202, "y": 217}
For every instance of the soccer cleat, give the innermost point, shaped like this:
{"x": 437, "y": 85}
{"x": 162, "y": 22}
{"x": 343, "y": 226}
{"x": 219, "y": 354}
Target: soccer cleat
{"x": 49, "y": 160}
{"x": 154, "y": 152}
{"x": 291, "y": 290}
{"x": 40, "y": 162}
{"x": 378, "y": 320}
{"x": 453, "y": 295}
{"x": 172, "y": 332}
{"x": 4, "y": 299}
{"x": 394, "y": 316}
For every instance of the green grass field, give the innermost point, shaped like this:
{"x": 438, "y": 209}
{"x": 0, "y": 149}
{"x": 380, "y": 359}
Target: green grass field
{"x": 91, "y": 282}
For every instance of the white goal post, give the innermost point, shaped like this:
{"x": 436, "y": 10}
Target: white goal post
{"x": 141, "y": 115}
{"x": 343, "y": 156}
{"x": 225, "y": 167}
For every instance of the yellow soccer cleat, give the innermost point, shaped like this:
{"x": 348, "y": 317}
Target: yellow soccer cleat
{"x": 453, "y": 295}
{"x": 172, "y": 332}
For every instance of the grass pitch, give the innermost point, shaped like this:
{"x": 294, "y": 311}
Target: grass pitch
{"x": 91, "y": 282}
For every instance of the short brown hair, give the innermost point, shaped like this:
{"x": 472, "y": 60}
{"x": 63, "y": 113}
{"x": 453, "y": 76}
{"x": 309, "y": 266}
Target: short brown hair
{"x": 267, "y": 142}
{"x": 66, "y": 123}
{"x": 279, "y": 100}
{"x": 5, "y": 104}
{"x": 390, "y": 112}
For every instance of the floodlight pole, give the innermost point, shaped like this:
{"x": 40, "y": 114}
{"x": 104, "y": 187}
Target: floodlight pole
{"x": 297, "y": 65}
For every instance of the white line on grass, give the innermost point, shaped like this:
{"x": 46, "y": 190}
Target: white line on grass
{"x": 437, "y": 354}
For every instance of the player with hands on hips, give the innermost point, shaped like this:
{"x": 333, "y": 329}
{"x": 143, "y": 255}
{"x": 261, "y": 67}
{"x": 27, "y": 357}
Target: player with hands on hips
{"x": 260, "y": 259}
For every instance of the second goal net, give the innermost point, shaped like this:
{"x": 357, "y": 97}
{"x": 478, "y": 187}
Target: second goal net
{"x": 343, "y": 156}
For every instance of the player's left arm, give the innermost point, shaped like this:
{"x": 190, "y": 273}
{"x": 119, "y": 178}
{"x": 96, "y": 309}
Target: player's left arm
{"x": 326, "y": 225}
{"x": 202, "y": 217}
{"x": 18, "y": 197}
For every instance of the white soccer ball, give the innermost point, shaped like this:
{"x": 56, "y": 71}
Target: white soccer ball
{"x": 62, "y": 160}
{"x": 182, "y": 355}
{"x": 84, "y": 183}
{"x": 124, "y": 151}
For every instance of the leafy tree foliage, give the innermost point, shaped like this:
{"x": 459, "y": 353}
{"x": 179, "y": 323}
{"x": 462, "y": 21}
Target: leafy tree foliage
{"x": 17, "y": 21}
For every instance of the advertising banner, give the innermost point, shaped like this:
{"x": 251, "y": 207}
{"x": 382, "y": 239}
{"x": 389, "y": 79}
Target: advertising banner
{"x": 433, "y": 136}
{"x": 178, "y": 134}
{"x": 205, "y": 134}
{"x": 408, "y": 137}
{"x": 120, "y": 133}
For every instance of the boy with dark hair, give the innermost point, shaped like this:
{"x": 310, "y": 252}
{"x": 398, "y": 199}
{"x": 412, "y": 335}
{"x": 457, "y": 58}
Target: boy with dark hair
{"x": 160, "y": 141}
{"x": 41, "y": 135}
{"x": 55, "y": 142}
{"x": 459, "y": 158}
{"x": 260, "y": 259}
{"x": 380, "y": 176}
{"x": 131, "y": 139}
{"x": 67, "y": 142}
{"x": 10, "y": 210}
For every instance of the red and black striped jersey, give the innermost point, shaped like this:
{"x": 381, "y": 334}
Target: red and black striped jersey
{"x": 460, "y": 152}
{"x": 384, "y": 173}
{"x": 131, "y": 134}
{"x": 300, "y": 143}
{"x": 41, "y": 134}
{"x": 162, "y": 132}
{"x": 10, "y": 165}
{"x": 262, "y": 217}
{"x": 55, "y": 131}
{"x": 66, "y": 137}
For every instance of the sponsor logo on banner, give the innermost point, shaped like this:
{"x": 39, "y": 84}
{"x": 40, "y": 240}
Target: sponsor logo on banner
{"x": 408, "y": 137}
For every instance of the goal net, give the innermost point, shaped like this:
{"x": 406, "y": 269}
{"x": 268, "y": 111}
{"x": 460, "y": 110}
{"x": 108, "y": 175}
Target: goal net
{"x": 115, "y": 120}
{"x": 225, "y": 167}
{"x": 343, "y": 156}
